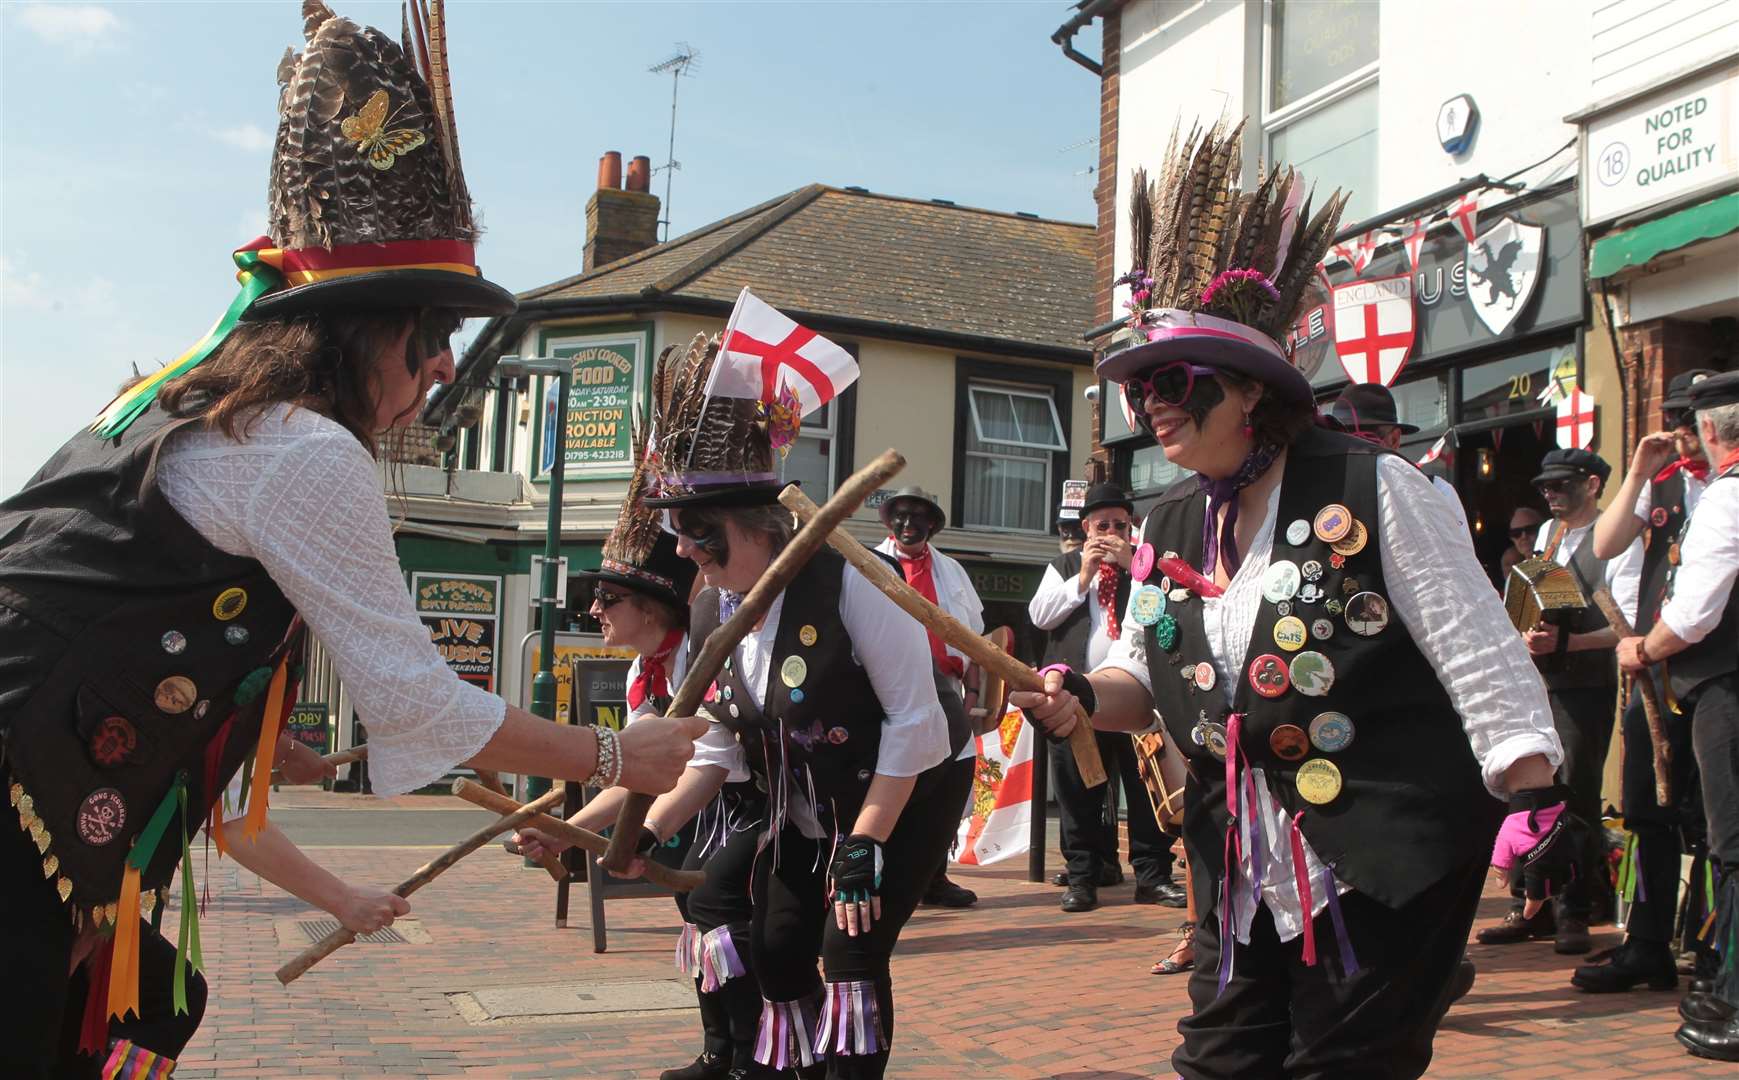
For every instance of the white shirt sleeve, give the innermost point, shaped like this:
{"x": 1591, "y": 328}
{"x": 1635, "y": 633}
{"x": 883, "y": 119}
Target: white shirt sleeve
{"x": 1446, "y": 602}
{"x": 1708, "y": 563}
{"x": 717, "y": 746}
{"x": 895, "y": 653}
{"x": 1055, "y": 599}
{"x": 1624, "y": 577}
{"x": 1644, "y": 503}
{"x": 303, "y": 497}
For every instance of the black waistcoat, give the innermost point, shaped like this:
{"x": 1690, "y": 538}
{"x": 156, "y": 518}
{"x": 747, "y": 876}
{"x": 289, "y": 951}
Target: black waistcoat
{"x": 127, "y": 639}
{"x": 1666, "y": 500}
{"x": 833, "y": 732}
{"x": 1582, "y": 668}
{"x": 1718, "y": 653}
{"x": 1412, "y": 805}
{"x": 1067, "y": 641}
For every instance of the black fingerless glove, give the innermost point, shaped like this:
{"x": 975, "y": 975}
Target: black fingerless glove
{"x": 856, "y": 870}
{"x": 1075, "y": 683}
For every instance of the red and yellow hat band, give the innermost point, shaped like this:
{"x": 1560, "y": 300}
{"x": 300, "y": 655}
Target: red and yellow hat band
{"x": 305, "y": 266}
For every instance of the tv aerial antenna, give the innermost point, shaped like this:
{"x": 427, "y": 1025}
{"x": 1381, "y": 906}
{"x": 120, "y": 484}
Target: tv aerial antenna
{"x": 684, "y": 63}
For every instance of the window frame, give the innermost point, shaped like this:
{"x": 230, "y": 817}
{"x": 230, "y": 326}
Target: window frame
{"x": 1276, "y": 120}
{"x": 976, "y": 386}
{"x": 1059, "y": 382}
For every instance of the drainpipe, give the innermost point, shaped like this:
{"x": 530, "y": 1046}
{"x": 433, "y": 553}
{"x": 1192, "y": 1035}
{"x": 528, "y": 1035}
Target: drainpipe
{"x": 1064, "y": 36}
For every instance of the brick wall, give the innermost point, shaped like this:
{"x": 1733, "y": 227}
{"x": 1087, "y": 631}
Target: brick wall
{"x": 1660, "y": 349}
{"x": 1105, "y": 196}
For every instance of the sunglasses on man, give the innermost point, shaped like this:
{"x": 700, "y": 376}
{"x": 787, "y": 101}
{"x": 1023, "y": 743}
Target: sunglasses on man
{"x": 1519, "y": 531}
{"x": 1556, "y": 487}
{"x": 1110, "y": 526}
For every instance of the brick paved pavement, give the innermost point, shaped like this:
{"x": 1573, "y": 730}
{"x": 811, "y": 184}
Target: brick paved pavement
{"x": 1013, "y": 989}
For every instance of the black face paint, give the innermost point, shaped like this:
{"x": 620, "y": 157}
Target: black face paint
{"x": 911, "y": 524}
{"x": 1205, "y": 396}
{"x": 706, "y": 532}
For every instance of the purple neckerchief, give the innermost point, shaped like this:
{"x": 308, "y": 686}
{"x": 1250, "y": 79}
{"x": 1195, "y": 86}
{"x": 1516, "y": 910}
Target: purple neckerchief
{"x": 1224, "y": 492}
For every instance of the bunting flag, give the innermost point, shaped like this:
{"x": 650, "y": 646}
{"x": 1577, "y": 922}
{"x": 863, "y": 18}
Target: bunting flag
{"x": 1438, "y": 452}
{"x": 1414, "y": 241}
{"x": 1002, "y": 795}
{"x": 1465, "y": 214}
{"x": 1364, "y": 249}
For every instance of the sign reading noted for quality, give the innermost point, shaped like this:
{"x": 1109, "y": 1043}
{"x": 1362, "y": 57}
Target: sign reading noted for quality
{"x": 1683, "y": 141}
{"x": 600, "y": 418}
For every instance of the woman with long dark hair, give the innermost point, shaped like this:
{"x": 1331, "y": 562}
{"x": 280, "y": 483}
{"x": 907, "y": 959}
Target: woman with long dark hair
{"x": 1318, "y": 638}
{"x": 157, "y": 574}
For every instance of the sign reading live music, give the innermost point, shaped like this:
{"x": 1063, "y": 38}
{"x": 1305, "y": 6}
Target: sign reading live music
{"x": 1520, "y": 274}
{"x": 463, "y": 615}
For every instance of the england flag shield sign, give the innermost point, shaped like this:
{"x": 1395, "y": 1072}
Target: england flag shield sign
{"x": 1503, "y": 265}
{"x": 1374, "y": 327}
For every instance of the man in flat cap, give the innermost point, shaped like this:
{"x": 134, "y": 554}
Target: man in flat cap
{"x": 1667, "y": 475}
{"x": 1575, "y": 660}
{"x": 1696, "y": 639}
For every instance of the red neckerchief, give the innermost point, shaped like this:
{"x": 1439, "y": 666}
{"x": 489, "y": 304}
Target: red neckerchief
{"x": 654, "y": 678}
{"x": 1108, "y": 597}
{"x": 1697, "y": 467}
{"x": 1728, "y": 462}
{"x": 918, "y": 576}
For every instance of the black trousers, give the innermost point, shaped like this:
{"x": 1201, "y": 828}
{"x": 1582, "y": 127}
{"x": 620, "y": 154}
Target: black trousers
{"x": 1583, "y": 719}
{"x": 1089, "y": 830}
{"x": 725, "y": 846}
{"x": 1715, "y": 735}
{"x": 42, "y": 1004}
{"x": 1280, "y": 1020}
{"x": 793, "y": 921}
{"x": 1663, "y": 833}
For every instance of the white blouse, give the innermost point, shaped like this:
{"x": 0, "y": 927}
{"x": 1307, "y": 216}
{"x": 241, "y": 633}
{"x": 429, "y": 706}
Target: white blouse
{"x": 718, "y": 746}
{"x": 301, "y": 496}
{"x": 1441, "y": 595}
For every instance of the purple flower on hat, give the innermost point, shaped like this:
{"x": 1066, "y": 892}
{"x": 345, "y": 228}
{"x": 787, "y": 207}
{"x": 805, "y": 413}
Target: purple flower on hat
{"x": 1240, "y": 294}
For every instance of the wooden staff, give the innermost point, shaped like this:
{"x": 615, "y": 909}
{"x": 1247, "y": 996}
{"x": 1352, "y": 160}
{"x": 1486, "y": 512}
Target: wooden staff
{"x": 981, "y": 651}
{"x": 675, "y": 880}
{"x": 342, "y": 757}
{"x": 1651, "y": 706}
{"x": 723, "y": 641}
{"x": 341, "y": 937}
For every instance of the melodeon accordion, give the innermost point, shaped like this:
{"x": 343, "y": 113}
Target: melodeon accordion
{"x": 1540, "y": 590}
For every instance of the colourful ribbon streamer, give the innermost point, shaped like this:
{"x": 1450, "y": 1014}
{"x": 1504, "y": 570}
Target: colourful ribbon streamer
{"x": 187, "y": 952}
{"x": 260, "y": 782}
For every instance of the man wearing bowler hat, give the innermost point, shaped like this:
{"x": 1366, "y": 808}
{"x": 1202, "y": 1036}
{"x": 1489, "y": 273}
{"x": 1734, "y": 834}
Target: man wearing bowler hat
{"x": 1575, "y": 661}
{"x": 912, "y": 517}
{"x": 1368, "y": 411}
{"x": 1081, "y": 602}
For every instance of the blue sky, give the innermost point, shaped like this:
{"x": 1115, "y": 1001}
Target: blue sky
{"x": 135, "y": 138}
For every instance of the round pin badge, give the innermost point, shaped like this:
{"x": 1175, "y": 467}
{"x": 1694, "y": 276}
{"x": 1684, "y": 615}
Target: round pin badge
{"x": 837, "y": 735}
{"x": 793, "y": 671}
{"x": 1283, "y": 608}
{"x": 1214, "y": 738}
{"x": 733, "y": 710}
{"x": 1298, "y": 532}
{"x": 1204, "y": 676}
{"x": 807, "y": 635}
{"x": 1658, "y": 516}
{"x": 1367, "y": 614}
{"x": 1350, "y": 586}
{"x": 1354, "y": 541}
{"x": 1312, "y": 570}
{"x": 796, "y": 697}
{"x": 1141, "y": 563}
{"x": 1332, "y": 523}
{"x": 1331, "y": 731}
{"x": 1310, "y": 593}
{"x": 101, "y": 817}
{"x": 1281, "y": 581}
{"x": 174, "y": 642}
{"x": 1322, "y": 629}
{"x": 1199, "y": 733}
{"x": 175, "y": 695}
{"x": 230, "y": 603}
{"x": 1289, "y": 742}
{"x": 1333, "y": 607}
{"x": 1147, "y": 605}
{"x": 1268, "y": 676}
{"x": 1318, "y": 781}
{"x": 1312, "y": 673}
{"x": 728, "y": 693}
{"x": 1290, "y": 634}
{"x": 201, "y": 707}
{"x": 1165, "y": 632}
{"x": 236, "y": 634}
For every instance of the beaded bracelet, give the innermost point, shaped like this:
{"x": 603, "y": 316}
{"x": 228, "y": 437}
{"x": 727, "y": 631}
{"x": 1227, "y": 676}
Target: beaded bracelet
{"x": 609, "y": 768}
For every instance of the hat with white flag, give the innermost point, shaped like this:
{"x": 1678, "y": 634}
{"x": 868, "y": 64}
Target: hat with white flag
{"x": 724, "y": 406}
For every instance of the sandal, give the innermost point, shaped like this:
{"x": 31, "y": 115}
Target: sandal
{"x": 1177, "y": 961}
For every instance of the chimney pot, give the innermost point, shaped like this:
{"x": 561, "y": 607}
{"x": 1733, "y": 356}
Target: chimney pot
{"x": 610, "y": 170}
{"x": 640, "y": 174}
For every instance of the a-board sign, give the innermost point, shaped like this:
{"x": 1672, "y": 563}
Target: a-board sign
{"x": 307, "y": 724}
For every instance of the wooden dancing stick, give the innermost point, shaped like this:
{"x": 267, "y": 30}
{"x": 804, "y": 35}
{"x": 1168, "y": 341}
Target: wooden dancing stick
{"x": 341, "y": 937}
{"x": 342, "y": 757}
{"x": 723, "y": 641}
{"x": 675, "y": 880}
{"x": 1651, "y": 705}
{"x": 982, "y": 652}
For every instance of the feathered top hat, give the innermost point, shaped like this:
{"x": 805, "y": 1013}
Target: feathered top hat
{"x": 1219, "y": 275}
{"x": 639, "y": 554}
{"x": 710, "y": 450}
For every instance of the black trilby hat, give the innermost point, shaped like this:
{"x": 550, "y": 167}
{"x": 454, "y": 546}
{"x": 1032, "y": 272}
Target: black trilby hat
{"x": 1366, "y": 406}
{"x": 1715, "y": 391}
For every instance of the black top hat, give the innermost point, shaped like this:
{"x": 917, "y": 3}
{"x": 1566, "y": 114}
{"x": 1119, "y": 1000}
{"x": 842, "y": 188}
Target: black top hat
{"x": 1715, "y": 391}
{"x": 938, "y": 518}
{"x": 367, "y": 200}
{"x": 1678, "y": 394}
{"x": 1100, "y": 496}
{"x": 1366, "y": 406}
{"x": 1569, "y": 462}
{"x": 638, "y": 553}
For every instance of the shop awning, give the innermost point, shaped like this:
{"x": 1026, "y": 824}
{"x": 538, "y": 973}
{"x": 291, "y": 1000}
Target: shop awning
{"x": 1633, "y": 247}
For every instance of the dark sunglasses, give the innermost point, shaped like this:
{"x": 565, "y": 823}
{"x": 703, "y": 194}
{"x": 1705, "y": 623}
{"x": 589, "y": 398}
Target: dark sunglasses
{"x": 1674, "y": 419}
{"x": 606, "y": 599}
{"x": 1519, "y": 531}
{"x": 1110, "y": 526}
{"x": 1171, "y": 383}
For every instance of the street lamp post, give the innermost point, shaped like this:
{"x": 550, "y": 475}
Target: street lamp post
{"x": 543, "y": 683}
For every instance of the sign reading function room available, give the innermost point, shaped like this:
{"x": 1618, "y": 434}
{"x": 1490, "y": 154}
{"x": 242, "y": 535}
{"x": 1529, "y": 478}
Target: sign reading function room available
{"x": 1678, "y": 143}
{"x": 599, "y": 436}
{"x": 463, "y": 614}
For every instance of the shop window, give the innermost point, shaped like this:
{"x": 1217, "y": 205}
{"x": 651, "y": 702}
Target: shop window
{"x": 1013, "y": 433}
{"x": 810, "y": 460}
{"x": 1321, "y": 100}
{"x": 1150, "y": 472}
{"x": 1424, "y": 403}
{"x": 1513, "y": 384}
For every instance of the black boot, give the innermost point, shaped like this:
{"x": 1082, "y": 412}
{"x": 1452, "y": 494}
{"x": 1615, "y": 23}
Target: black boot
{"x": 1620, "y": 969}
{"x": 742, "y": 1003}
{"x": 714, "y": 1062}
{"x": 945, "y": 893}
{"x": 1515, "y": 928}
{"x": 1719, "y": 1041}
